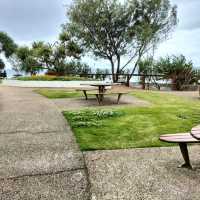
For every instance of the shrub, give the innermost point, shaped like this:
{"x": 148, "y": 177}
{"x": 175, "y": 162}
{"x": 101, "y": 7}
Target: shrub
{"x": 52, "y": 78}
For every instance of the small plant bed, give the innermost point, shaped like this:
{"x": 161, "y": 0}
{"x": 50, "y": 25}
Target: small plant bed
{"x": 54, "y": 94}
{"x": 52, "y": 78}
{"x": 131, "y": 127}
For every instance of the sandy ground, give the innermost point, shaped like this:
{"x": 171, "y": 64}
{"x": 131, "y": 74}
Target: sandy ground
{"x": 109, "y": 102}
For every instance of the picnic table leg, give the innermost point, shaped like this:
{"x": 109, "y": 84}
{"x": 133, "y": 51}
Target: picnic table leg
{"x": 184, "y": 151}
{"x": 101, "y": 91}
{"x": 101, "y": 97}
{"x": 85, "y": 93}
{"x": 98, "y": 99}
{"x": 119, "y": 97}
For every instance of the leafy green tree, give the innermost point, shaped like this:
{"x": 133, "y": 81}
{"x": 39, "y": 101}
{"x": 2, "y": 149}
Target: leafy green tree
{"x": 2, "y": 65}
{"x": 43, "y": 54}
{"x": 111, "y": 29}
{"x": 101, "y": 73}
{"x": 77, "y": 68}
{"x": 27, "y": 61}
{"x": 178, "y": 69}
{"x": 54, "y": 56}
{"x": 145, "y": 67}
{"x": 7, "y": 46}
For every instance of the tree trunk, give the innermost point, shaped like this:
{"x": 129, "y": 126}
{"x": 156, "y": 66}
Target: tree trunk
{"x": 174, "y": 83}
{"x": 142, "y": 78}
{"x": 113, "y": 70}
{"x": 118, "y": 67}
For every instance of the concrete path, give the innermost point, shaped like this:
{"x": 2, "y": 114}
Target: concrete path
{"x": 39, "y": 158}
{"x": 143, "y": 174}
{"x": 45, "y": 84}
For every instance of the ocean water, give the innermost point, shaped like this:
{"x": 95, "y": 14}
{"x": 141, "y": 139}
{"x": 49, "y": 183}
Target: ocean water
{"x": 10, "y": 73}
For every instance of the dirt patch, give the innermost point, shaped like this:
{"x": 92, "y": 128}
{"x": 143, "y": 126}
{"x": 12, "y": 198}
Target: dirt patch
{"x": 109, "y": 101}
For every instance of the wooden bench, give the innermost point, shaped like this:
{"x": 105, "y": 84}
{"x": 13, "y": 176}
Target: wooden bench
{"x": 183, "y": 139}
{"x": 100, "y": 96}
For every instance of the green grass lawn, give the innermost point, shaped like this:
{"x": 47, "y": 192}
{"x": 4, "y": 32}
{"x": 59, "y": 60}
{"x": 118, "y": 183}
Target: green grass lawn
{"x": 53, "y": 94}
{"x": 131, "y": 127}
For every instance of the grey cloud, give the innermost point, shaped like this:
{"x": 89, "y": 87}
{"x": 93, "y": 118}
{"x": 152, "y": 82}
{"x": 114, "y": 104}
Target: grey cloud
{"x": 188, "y": 12}
{"x": 28, "y": 20}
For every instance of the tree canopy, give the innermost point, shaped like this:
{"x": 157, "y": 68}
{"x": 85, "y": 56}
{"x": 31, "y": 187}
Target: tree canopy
{"x": 111, "y": 29}
{"x": 52, "y": 57}
{"x": 176, "y": 68}
{"x": 26, "y": 60}
{"x": 7, "y": 47}
{"x": 2, "y": 64}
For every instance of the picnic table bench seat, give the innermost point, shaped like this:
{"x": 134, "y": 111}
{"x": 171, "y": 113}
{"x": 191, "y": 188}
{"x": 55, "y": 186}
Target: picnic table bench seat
{"x": 183, "y": 139}
{"x": 85, "y": 90}
{"x": 101, "y": 95}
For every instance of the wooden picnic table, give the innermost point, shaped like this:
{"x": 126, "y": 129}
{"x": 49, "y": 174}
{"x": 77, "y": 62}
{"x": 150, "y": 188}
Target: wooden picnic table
{"x": 101, "y": 88}
{"x": 102, "y": 91}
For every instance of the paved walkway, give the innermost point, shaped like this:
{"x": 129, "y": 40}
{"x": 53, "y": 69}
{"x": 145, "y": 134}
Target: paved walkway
{"x": 39, "y": 158}
{"x": 143, "y": 174}
{"x": 45, "y": 84}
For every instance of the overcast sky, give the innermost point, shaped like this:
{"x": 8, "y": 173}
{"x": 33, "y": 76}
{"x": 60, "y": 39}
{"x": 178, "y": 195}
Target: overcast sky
{"x": 29, "y": 20}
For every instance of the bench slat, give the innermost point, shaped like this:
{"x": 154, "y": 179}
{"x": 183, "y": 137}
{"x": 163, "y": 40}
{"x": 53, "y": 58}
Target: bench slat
{"x": 195, "y": 132}
{"x": 179, "y": 138}
{"x": 175, "y": 134}
{"x": 106, "y": 93}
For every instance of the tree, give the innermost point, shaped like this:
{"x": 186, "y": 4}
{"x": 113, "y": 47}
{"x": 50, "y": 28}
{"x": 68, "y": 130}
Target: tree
{"x": 26, "y": 61}
{"x": 145, "y": 67}
{"x": 53, "y": 57}
{"x": 7, "y": 46}
{"x": 101, "y": 73}
{"x": 2, "y": 65}
{"x": 110, "y": 29}
{"x": 178, "y": 69}
{"x": 41, "y": 55}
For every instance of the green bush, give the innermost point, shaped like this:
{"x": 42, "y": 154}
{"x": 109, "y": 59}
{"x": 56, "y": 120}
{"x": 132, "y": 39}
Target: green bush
{"x": 52, "y": 78}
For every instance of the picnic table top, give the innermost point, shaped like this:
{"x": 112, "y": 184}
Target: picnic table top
{"x": 195, "y": 132}
{"x": 98, "y": 84}
{"x": 193, "y": 136}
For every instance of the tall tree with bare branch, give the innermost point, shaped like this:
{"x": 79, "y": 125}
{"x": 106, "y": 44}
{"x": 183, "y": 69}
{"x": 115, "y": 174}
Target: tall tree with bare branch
{"x": 111, "y": 29}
